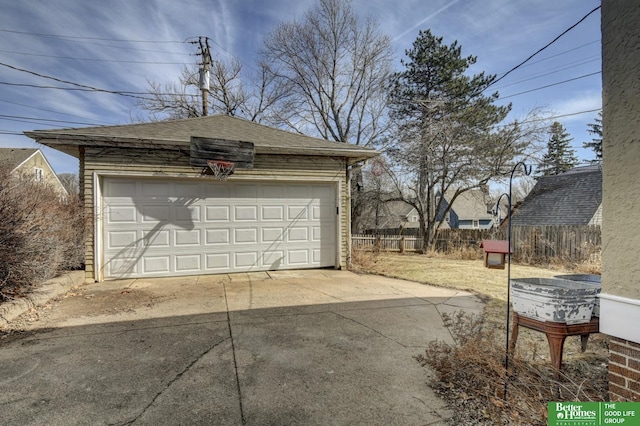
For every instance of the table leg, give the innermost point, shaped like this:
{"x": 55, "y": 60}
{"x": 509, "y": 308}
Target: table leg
{"x": 514, "y": 333}
{"x": 584, "y": 339}
{"x": 556, "y": 344}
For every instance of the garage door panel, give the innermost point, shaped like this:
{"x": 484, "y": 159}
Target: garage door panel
{"x": 272, "y": 235}
{"x": 275, "y": 213}
{"x": 162, "y": 227}
{"x": 155, "y": 190}
{"x": 217, "y": 236}
{"x": 155, "y": 213}
{"x": 124, "y": 266}
{"x": 249, "y": 191}
{"x": 246, "y": 213}
{"x": 187, "y": 237}
{"x": 273, "y": 191}
{"x": 187, "y": 214}
{"x": 188, "y": 262}
{"x": 298, "y": 257}
{"x": 156, "y": 264}
{"x": 298, "y": 234}
{"x": 121, "y": 239}
{"x": 295, "y": 213}
{"x": 155, "y": 238}
{"x": 246, "y": 259}
{"x": 246, "y": 235}
{"x": 122, "y": 214}
{"x": 218, "y": 262}
{"x": 217, "y": 213}
{"x": 273, "y": 260}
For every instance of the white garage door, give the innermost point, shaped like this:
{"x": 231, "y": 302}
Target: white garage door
{"x": 158, "y": 227}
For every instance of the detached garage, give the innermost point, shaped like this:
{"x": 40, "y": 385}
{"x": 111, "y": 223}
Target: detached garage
{"x": 159, "y": 210}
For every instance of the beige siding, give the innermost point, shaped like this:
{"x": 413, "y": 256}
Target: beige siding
{"x": 175, "y": 163}
{"x": 37, "y": 160}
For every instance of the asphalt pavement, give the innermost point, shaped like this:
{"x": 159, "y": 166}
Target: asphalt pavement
{"x": 315, "y": 347}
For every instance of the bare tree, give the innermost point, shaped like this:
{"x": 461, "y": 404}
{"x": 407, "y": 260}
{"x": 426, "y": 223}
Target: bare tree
{"x": 183, "y": 99}
{"x": 70, "y": 182}
{"x": 335, "y": 66}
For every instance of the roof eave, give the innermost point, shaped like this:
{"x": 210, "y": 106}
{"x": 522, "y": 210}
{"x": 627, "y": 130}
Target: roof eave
{"x": 54, "y": 139}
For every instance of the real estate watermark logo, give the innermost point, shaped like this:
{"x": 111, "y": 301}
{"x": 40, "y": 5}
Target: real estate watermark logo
{"x": 593, "y": 413}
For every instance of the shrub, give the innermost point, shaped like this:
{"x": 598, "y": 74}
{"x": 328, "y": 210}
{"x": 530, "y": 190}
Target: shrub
{"x": 470, "y": 376}
{"x": 40, "y": 234}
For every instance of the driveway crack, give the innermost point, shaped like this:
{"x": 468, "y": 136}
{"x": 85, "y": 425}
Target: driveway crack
{"x": 370, "y": 328}
{"x": 235, "y": 359}
{"x": 176, "y": 378}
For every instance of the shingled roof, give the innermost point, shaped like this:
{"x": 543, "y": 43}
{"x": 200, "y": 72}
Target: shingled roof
{"x": 15, "y": 156}
{"x": 156, "y": 134}
{"x": 571, "y": 198}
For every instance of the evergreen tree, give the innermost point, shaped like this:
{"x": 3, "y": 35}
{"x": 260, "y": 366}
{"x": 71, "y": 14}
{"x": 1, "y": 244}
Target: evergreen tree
{"x": 446, "y": 138}
{"x": 559, "y": 156}
{"x": 595, "y": 129}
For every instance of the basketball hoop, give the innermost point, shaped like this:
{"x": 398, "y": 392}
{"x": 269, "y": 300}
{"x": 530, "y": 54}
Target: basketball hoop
{"x": 377, "y": 168}
{"x": 220, "y": 169}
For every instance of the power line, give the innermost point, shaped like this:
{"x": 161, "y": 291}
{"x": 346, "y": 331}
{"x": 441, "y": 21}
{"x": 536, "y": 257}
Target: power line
{"x": 561, "y": 53}
{"x": 92, "y": 38}
{"x": 543, "y": 48}
{"x": 550, "y": 85}
{"x": 50, "y": 110}
{"x": 128, "y": 94}
{"x": 46, "y": 119}
{"x": 555, "y": 71}
{"x": 81, "y": 89}
{"x": 535, "y": 120}
{"x": 92, "y": 41}
{"x": 92, "y": 59}
{"x": 30, "y": 122}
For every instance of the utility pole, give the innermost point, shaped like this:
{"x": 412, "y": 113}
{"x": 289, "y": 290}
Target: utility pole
{"x": 205, "y": 52}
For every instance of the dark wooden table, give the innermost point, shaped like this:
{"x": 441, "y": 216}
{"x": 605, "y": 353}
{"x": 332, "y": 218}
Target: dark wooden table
{"x": 556, "y": 333}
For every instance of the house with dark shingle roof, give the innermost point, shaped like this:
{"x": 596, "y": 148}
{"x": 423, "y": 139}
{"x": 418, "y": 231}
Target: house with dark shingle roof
{"x": 470, "y": 210}
{"x": 571, "y": 198}
{"x": 31, "y": 162}
{"x": 156, "y": 210}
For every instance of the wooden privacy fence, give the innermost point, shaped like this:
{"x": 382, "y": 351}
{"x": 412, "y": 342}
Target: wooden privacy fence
{"x": 530, "y": 243}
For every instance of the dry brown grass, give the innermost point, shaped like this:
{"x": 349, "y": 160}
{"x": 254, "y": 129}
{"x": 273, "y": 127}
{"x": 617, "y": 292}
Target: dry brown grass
{"x": 471, "y": 377}
{"x": 443, "y": 271}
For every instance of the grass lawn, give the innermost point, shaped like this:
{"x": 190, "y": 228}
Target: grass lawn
{"x": 468, "y": 275}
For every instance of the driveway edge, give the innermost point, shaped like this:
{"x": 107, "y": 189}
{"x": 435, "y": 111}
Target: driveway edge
{"x": 39, "y": 296}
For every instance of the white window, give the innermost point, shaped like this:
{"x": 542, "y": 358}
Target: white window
{"x": 414, "y": 218}
{"x": 38, "y": 174}
{"x": 476, "y": 223}
{"x": 447, "y": 217}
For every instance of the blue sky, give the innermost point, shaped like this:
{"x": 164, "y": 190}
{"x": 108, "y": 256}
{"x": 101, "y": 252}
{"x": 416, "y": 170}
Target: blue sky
{"x": 119, "y": 45}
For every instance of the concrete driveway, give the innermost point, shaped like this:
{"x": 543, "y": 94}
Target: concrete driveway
{"x": 313, "y": 347}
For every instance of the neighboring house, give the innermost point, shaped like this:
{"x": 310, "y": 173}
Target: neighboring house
{"x": 470, "y": 210}
{"x": 620, "y": 297}
{"x": 154, "y": 214}
{"x": 571, "y": 198}
{"x": 397, "y": 215}
{"x": 31, "y": 162}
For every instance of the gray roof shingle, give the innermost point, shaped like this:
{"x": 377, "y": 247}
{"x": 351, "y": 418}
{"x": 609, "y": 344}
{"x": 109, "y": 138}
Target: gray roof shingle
{"x": 15, "y": 156}
{"x": 571, "y": 198}
{"x": 178, "y": 132}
